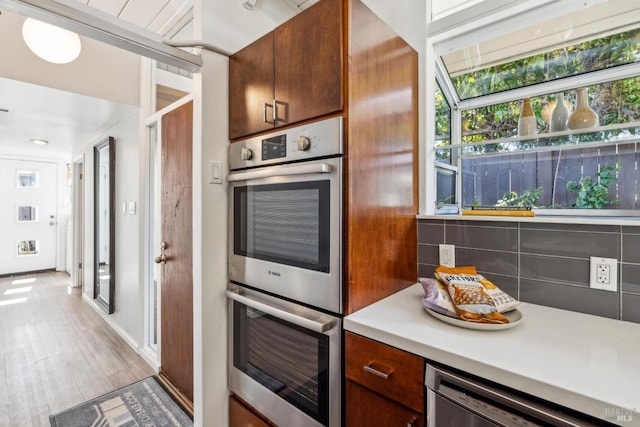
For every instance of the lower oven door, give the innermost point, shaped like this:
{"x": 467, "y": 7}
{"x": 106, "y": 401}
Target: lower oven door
{"x": 284, "y": 359}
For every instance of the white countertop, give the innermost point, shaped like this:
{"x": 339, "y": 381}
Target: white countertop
{"x": 584, "y": 362}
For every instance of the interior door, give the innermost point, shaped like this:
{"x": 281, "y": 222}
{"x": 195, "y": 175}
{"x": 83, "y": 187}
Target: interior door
{"x": 176, "y": 294}
{"x": 28, "y": 216}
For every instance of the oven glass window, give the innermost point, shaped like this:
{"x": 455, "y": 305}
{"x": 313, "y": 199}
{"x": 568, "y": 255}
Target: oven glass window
{"x": 289, "y": 360}
{"x": 284, "y": 223}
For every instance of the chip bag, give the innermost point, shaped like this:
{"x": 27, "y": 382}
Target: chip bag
{"x": 474, "y": 297}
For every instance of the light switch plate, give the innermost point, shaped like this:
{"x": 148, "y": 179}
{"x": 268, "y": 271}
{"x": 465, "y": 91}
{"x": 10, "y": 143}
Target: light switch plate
{"x": 215, "y": 172}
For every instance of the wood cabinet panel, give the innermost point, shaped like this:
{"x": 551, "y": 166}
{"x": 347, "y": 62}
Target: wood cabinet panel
{"x": 241, "y": 415}
{"x": 308, "y": 56}
{"x": 251, "y": 79}
{"x": 300, "y": 65}
{"x": 366, "y": 408}
{"x": 405, "y": 382}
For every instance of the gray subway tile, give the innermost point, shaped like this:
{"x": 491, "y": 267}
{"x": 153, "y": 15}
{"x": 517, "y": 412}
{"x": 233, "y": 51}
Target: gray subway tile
{"x": 630, "y": 229}
{"x": 631, "y": 248}
{"x": 494, "y": 224}
{"x": 426, "y": 270}
{"x": 555, "y": 269}
{"x": 428, "y": 254}
{"x": 430, "y": 233}
{"x": 574, "y": 298}
{"x": 497, "y": 262}
{"x": 494, "y": 238}
{"x": 597, "y": 228}
{"x": 570, "y": 243}
{"x": 630, "y": 278}
{"x": 631, "y": 308}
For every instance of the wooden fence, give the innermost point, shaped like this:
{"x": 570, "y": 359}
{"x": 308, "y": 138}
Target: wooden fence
{"x": 486, "y": 179}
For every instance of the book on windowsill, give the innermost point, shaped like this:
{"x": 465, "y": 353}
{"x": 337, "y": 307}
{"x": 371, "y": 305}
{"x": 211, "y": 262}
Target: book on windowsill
{"x": 498, "y": 212}
{"x": 500, "y": 208}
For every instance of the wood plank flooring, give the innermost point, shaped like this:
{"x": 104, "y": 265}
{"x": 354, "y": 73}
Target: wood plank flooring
{"x": 55, "y": 350}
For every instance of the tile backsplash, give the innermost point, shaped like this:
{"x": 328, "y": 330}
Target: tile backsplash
{"x": 542, "y": 263}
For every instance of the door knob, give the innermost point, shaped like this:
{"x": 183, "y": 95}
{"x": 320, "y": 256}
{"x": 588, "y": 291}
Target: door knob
{"x": 162, "y": 259}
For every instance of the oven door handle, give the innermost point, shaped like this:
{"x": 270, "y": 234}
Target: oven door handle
{"x": 304, "y": 322}
{"x": 281, "y": 171}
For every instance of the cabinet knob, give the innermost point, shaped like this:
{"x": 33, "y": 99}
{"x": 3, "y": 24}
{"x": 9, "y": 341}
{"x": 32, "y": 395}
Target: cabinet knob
{"x": 304, "y": 143}
{"x": 246, "y": 154}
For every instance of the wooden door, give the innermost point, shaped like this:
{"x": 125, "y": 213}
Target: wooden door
{"x": 176, "y": 301}
{"x": 308, "y": 52}
{"x": 250, "y": 87}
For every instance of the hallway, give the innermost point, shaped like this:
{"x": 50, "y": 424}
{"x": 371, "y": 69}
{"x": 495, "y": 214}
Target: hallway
{"x": 55, "y": 350}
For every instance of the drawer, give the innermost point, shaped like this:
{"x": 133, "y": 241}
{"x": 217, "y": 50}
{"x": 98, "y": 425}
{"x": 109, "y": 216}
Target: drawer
{"x": 389, "y": 371}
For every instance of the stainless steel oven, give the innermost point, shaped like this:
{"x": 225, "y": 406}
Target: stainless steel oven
{"x": 285, "y": 213}
{"x": 284, "y": 359}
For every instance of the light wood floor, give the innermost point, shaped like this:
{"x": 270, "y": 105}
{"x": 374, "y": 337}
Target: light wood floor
{"x": 55, "y": 350}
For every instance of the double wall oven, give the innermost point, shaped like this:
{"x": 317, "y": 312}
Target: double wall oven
{"x": 285, "y": 271}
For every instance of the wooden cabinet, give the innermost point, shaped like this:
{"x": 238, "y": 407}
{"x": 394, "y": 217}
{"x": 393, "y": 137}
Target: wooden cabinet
{"x": 241, "y": 415}
{"x": 385, "y": 386}
{"x": 290, "y": 75}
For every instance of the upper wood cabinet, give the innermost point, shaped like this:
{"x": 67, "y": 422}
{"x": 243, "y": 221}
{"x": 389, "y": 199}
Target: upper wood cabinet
{"x": 291, "y": 74}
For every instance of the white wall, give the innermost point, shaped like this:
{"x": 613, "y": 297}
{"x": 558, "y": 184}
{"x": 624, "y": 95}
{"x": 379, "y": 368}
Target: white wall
{"x": 128, "y": 290}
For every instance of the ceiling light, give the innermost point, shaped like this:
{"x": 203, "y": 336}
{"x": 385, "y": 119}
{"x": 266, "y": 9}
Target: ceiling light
{"x": 51, "y": 43}
{"x": 248, "y": 4}
{"x": 40, "y": 141}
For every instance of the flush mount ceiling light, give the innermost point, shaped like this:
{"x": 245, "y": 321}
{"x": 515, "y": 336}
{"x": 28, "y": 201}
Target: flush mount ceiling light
{"x": 248, "y": 4}
{"x": 40, "y": 141}
{"x": 51, "y": 43}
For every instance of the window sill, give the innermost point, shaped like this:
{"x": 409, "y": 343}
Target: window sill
{"x": 544, "y": 218}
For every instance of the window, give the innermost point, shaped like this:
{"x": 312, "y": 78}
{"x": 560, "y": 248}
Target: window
{"x": 27, "y": 213}
{"x": 27, "y": 179}
{"x": 27, "y": 247}
{"x": 478, "y": 99}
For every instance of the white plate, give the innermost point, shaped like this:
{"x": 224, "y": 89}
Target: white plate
{"x": 514, "y": 316}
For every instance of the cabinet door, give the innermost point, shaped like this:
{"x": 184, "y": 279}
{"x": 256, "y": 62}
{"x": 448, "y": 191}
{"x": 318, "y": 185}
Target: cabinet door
{"x": 241, "y": 415}
{"x": 389, "y": 371}
{"x": 308, "y": 63}
{"x": 366, "y": 408}
{"x": 250, "y": 87}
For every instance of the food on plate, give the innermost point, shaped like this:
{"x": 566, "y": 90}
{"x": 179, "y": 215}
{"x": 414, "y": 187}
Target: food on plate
{"x": 475, "y": 298}
{"x": 437, "y": 297}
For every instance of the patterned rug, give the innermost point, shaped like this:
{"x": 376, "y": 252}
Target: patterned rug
{"x": 144, "y": 403}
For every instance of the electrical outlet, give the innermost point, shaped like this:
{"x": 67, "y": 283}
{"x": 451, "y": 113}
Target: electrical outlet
{"x": 448, "y": 255}
{"x": 604, "y": 274}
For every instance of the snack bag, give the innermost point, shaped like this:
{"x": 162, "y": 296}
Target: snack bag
{"x": 470, "y": 299}
{"x": 436, "y": 297}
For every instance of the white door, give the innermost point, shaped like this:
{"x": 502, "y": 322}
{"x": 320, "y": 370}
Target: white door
{"x": 27, "y": 216}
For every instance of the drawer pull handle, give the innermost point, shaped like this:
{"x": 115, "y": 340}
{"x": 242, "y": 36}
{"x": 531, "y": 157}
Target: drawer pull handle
{"x": 377, "y": 373}
{"x": 412, "y": 422}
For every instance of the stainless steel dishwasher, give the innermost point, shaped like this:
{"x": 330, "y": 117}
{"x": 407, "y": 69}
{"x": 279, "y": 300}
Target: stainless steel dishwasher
{"x": 456, "y": 400}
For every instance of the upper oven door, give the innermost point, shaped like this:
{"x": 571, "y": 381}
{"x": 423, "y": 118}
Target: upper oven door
{"x": 285, "y": 231}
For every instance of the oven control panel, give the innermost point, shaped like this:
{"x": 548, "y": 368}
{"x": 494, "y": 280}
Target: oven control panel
{"x": 306, "y": 142}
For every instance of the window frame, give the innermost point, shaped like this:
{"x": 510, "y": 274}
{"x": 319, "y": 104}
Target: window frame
{"x": 446, "y": 41}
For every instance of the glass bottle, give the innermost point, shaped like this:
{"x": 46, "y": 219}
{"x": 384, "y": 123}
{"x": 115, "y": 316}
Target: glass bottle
{"x": 583, "y": 116}
{"x": 560, "y": 115}
{"x": 527, "y": 124}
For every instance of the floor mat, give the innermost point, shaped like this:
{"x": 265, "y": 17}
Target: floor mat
{"x": 144, "y": 403}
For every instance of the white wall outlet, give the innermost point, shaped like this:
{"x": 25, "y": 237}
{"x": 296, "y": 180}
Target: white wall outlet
{"x": 447, "y": 255}
{"x": 604, "y": 274}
